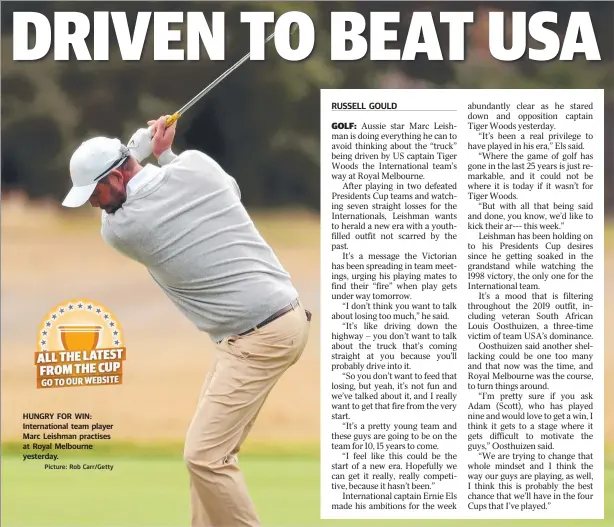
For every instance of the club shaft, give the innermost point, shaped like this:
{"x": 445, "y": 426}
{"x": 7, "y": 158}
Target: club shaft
{"x": 195, "y": 99}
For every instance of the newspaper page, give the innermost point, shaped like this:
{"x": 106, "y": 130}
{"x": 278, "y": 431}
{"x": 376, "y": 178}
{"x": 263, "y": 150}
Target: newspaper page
{"x": 284, "y": 264}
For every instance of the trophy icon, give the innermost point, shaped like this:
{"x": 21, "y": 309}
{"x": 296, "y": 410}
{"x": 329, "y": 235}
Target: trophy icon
{"x": 77, "y": 337}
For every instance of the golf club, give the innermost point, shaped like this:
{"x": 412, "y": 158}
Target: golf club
{"x": 204, "y": 92}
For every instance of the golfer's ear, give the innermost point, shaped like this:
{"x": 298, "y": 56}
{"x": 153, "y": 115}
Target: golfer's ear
{"x": 115, "y": 174}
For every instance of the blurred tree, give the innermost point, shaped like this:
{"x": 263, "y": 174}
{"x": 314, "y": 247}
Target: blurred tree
{"x": 262, "y": 123}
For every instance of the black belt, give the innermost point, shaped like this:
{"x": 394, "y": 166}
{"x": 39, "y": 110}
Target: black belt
{"x": 274, "y": 316}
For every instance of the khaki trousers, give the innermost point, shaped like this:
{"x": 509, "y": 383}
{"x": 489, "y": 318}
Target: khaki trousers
{"x": 245, "y": 370}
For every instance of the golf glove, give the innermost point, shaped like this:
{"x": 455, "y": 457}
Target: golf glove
{"x": 140, "y": 144}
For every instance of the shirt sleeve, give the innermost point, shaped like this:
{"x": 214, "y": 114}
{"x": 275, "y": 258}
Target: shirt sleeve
{"x": 234, "y": 185}
{"x": 166, "y": 157}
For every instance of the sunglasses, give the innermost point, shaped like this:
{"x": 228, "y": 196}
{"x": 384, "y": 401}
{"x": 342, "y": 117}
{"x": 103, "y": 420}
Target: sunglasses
{"x": 125, "y": 154}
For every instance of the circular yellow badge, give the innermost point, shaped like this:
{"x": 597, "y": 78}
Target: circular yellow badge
{"x": 79, "y": 343}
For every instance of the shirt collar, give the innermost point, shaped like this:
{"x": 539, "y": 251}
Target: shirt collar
{"x": 143, "y": 179}
{"x": 148, "y": 176}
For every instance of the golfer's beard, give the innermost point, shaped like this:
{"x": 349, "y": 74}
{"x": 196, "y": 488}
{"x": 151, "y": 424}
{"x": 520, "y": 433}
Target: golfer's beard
{"x": 119, "y": 201}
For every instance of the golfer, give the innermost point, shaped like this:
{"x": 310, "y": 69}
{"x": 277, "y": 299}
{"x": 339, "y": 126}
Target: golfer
{"x": 184, "y": 221}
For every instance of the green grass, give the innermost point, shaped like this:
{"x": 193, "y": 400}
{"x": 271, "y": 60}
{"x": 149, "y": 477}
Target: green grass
{"x": 152, "y": 490}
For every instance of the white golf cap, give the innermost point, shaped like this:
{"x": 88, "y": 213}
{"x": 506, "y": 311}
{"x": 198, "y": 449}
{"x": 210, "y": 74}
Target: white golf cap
{"x": 93, "y": 160}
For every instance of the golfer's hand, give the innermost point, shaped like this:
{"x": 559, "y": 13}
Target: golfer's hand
{"x": 162, "y": 136}
{"x": 140, "y": 144}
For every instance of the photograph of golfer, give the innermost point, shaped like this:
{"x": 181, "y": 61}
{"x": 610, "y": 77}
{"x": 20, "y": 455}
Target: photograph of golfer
{"x": 184, "y": 221}
{"x": 181, "y": 189}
